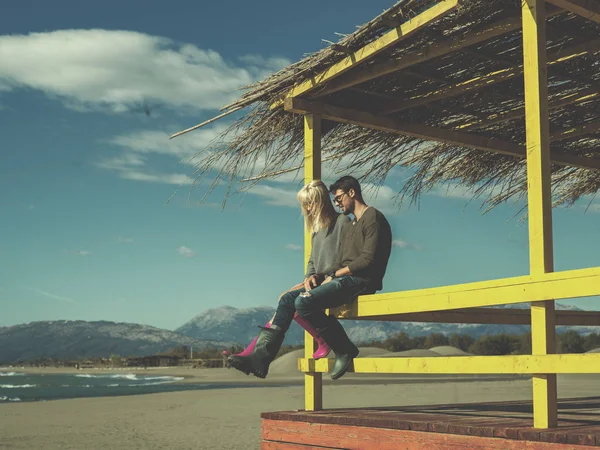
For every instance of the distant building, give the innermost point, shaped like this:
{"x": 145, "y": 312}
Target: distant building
{"x": 153, "y": 361}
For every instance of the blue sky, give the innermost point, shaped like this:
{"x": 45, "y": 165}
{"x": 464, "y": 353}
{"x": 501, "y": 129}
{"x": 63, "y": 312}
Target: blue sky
{"x": 85, "y": 174}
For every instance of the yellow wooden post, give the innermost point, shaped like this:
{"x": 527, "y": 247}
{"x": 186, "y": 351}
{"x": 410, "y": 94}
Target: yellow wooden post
{"x": 313, "y": 386}
{"x": 541, "y": 258}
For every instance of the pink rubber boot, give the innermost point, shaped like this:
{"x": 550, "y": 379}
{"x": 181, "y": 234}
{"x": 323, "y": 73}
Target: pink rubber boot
{"x": 323, "y": 349}
{"x": 248, "y": 350}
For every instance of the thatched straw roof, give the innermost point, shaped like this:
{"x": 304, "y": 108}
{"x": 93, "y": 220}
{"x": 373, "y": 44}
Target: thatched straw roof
{"x": 432, "y": 92}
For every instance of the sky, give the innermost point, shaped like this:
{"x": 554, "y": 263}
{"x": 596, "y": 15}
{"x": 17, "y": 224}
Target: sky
{"x": 87, "y": 229}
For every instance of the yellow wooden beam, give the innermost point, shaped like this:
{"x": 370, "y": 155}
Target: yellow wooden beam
{"x": 560, "y": 101}
{"x": 506, "y": 291}
{"x": 477, "y": 83}
{"x": 385, "y": 42}
{"x": 496, "y": 316}
{"x": 433, "y": 51}
{"x": 467, "y": 140}
{"x": 509, "y": 364}
{"x": 588, "y": 9}
{"x": 313, "y": 382}
{"x": 539, "y": 204}
{"x": 543, "y": 317}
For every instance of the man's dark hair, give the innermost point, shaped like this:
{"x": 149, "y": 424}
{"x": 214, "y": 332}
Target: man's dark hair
{"x": 346, "y": 183}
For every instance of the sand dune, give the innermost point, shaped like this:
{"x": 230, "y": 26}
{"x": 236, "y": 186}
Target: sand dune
{"x": 448, "y": 350}
{"x": 416, "y": 353}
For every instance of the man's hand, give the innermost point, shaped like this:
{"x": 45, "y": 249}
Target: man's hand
{"x": 327, "y": 280}
{"x": 311, "y": 282}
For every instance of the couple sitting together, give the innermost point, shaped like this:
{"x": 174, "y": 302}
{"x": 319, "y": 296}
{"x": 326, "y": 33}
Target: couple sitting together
{"x": 348, "y": 258}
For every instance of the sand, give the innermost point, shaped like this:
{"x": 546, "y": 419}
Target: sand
{"x": 230, "y": 418}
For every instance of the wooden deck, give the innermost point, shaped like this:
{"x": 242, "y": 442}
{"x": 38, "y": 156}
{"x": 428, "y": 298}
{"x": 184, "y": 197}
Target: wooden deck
{"x": 506, "y": 425}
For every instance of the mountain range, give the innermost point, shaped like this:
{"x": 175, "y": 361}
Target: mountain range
{"x": 241, "y": 325}
{"x": 214, "y": 328}
{"x": 70, "y": 339}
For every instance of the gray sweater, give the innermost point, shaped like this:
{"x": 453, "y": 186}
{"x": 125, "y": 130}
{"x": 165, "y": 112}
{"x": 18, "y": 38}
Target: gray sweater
{"x": 325, "y": 246}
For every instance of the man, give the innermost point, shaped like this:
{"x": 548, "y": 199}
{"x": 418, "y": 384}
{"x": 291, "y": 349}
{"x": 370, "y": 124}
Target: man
{"x": 360, "y": 267}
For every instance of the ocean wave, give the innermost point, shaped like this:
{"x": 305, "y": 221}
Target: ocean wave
{"x": 17, "y": 386}
{"x": 164, "y": 378}
{"x": 11, "y": 374}
{"x": 152, "y": 384}
{"x": 4, "y": 398}
{"x": 130, "y": 376}
{"x": 127, "y": 376}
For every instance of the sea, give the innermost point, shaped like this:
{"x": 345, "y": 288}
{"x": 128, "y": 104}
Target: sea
{"x": 20, "y": 386}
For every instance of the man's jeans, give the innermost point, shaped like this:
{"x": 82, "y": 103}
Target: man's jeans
{"x": 311, "y": 305}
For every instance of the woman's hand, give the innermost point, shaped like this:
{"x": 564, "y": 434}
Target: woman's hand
{"x": 327, "y": 280}
{"x": 311, "y": 282}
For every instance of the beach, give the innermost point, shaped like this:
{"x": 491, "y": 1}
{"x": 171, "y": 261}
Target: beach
{"x": 229, "y": 418}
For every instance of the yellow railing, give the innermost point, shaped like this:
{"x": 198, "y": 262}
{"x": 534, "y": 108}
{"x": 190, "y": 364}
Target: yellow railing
{"x": 469, "y": 300}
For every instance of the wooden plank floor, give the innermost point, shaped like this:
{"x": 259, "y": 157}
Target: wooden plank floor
{"x": 493, "y": 425}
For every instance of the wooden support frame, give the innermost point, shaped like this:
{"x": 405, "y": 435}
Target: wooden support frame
{"x": 466, "y": 140}
{"x": 588, "y": 9}
{"x": 499, "y": 76}
{"x": 386, "y": 41}
{"x": 466, "y": 365}
{"x": 313, "y": 383}
{"x": 357, "y": 76}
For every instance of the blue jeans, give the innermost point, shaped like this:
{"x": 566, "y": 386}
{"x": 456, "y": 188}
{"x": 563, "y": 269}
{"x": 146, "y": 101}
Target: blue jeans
{"x": 311, "y": 305}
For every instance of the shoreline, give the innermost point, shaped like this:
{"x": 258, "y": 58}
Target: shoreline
{"x": 225, "y": 376}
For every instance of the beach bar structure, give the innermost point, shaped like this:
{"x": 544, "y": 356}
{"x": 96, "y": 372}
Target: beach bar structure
{"x": 502, "y": 96}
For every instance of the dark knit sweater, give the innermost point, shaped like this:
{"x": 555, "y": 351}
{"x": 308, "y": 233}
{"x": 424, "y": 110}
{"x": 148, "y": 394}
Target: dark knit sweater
{"x": 365, "y": 248}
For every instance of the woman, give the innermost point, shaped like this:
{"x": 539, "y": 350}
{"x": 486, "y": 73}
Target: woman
{"x": 326, "y": 225}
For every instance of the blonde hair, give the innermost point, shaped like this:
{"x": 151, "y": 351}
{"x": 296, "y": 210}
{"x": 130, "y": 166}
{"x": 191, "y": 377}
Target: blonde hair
{"x": 321, "y": 214}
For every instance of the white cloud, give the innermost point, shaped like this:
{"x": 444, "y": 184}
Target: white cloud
{"x": 137, "y": 147}
{"x": 132, "y": 166}
{"x": 125, "y": 161}
{"x": 401, "y": 243}
{"x": 276, "y": 196}
{"x": 186, "y": 252}
{"x": 167, "y": 178}
{"x": 124, "y": 239}
{"x": 50, "y": 295}
{"x": 151, "y": 141}
{"x": 117, "y": 70}
{"x": 293, "y": 247}
{"x": 380, "y": 197}
{"x": 460, "y": 191}
{"x": 81, "y": 253}
{"x": 383, "y": 199}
